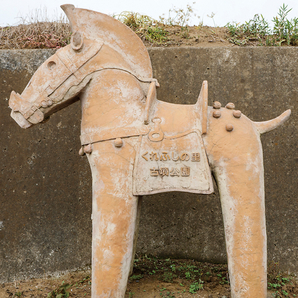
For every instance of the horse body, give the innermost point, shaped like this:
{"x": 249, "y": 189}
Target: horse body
{"x": 109, "y": 70}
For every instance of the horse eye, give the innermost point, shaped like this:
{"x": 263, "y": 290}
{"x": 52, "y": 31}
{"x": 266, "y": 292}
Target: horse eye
{"x": 51, "y": 64}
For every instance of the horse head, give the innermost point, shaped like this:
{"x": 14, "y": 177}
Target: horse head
{"x": 55, "y": 84}
{"x": 61, "y": 78}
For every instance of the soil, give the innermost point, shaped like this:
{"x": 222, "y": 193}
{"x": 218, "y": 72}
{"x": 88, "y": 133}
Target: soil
{"x": 40, "y": 36}
{"x": 151, "y": 278}
{"x": 147, "y": 287}
{"x": 202, "y": 36}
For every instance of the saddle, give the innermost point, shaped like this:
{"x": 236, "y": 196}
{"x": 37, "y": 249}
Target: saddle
{"x": 171, "y": 156}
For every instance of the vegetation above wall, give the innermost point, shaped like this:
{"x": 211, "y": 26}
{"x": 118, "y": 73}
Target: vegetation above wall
{"x": 38, "y": 32}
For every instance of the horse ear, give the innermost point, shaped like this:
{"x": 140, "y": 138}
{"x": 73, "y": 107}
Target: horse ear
{"x": 77, "y": 40}
{"x": 69, "y": 11}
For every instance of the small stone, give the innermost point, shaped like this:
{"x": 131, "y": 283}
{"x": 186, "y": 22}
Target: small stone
{"x": 230, "y": 106}
{"x": 237, "y": 114}
{"x": 229, "y": 127}
{"x": 216, "y": 105}
{"x": 118, "y": 143}
{"x": 50, "y": 102}
{"x": 216, "y": 114}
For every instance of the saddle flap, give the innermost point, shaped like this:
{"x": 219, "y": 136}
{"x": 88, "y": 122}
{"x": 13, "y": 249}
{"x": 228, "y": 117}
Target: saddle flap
{"x": 173, "y": 164}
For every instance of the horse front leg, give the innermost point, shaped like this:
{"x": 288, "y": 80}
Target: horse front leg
{"x": 114, "y": 217}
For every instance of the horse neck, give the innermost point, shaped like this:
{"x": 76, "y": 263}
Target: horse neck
{"x": 112, "y": 102}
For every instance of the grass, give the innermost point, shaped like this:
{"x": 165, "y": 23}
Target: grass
{"x": 42, "y": 35}
{"x": 193, "y": 276}
{"x": 258, "y": 31}
{"x": 146, "y": 27}
{"x": 279, "y": 282}
{"x": 38, "y": 31}
{"x": 63, "y": 291}
{"x": 168, "y": 278}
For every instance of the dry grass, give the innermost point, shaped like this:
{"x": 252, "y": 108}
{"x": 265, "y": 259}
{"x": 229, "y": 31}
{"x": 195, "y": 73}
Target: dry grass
{"x": 36, "y": 31}
{"x": 38, "y": 35}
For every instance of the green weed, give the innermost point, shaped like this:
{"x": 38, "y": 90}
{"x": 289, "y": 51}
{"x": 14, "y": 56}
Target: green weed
{"x": 285, "y": 293}
{"x": 188, "y": 275}
{"x": 192, "y": 276}
{"x": 168, "y": 276}
{"x": 156, "y": 34}
{"x": 167, "y": 294}
{"x": 277, "y": 281}
{"x": 61, "y": 292}
{"x": 155, "y": 31}
{"x": 284, "y": 29}
{"x": 136, "y": 277}
{"x": 196, "y": 286}
{"x": 257, "y": 31}
{"x": 147, "y": 27}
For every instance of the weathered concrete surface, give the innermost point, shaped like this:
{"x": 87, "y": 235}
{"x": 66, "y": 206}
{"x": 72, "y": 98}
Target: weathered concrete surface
{"x": 45, "y": 186}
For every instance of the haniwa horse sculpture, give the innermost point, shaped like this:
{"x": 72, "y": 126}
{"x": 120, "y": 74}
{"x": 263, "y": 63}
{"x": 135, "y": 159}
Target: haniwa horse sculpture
{"x": 139, "y": 145}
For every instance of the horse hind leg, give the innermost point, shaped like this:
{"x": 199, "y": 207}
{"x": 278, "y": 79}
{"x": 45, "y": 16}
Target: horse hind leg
{"x": 237, "y": 161}
{"x": 114, "y": 214}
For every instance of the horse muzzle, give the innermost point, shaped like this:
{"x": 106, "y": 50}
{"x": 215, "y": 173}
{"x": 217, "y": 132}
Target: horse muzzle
{"x": 24, "y": 112}
{"x": 20, "y": 119}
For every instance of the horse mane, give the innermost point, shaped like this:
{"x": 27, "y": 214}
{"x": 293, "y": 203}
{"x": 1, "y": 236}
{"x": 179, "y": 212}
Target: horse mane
{"x": 97, "y": 26}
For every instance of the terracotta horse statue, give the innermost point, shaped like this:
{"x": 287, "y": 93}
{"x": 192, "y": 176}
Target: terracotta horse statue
{"x": 137, "y": 144}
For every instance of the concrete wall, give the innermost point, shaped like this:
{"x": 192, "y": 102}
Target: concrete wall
{"x": 45, "y": 186}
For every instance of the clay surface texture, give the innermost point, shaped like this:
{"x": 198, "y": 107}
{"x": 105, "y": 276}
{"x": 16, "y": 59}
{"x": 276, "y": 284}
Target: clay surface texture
{"x": 138, "y": 145}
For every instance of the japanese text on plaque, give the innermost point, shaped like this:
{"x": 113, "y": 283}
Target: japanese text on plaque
{"x": 164, "y": 156}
